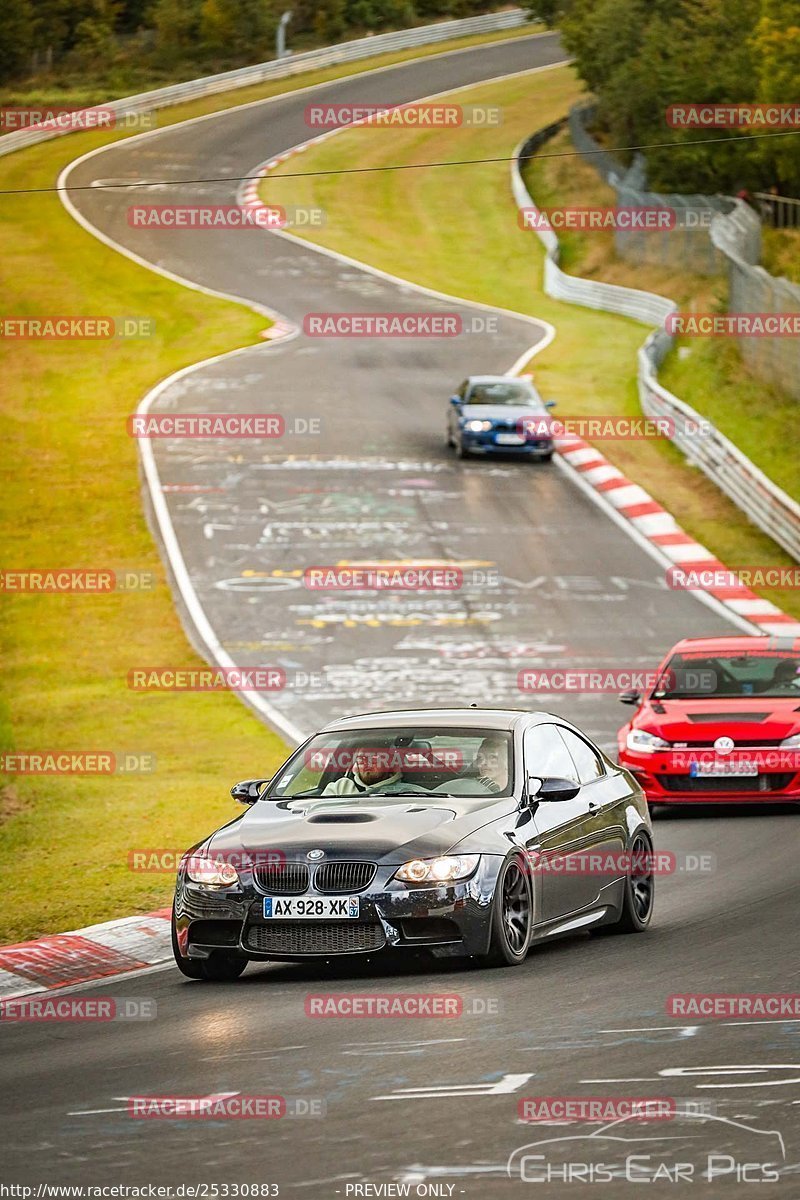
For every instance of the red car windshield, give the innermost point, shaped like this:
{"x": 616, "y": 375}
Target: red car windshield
{"x": 705, "y": 677}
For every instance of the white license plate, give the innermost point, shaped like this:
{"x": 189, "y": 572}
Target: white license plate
{"x": 705, "y": 770}
{"x": 509, "y": 439}
{"x": 304, "y": 908}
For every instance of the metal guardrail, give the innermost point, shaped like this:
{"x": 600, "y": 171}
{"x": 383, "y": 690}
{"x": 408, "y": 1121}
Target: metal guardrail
{"x": 609, "y": 297}
{"x": 296, "y": 64}
{"x": 766, "y": 505}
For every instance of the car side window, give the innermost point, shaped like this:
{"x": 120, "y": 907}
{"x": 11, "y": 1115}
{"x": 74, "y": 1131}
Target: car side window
{"x": 587, "y": 761}
{"x": 545, "y": 754}
{"x": 462, "y": 391}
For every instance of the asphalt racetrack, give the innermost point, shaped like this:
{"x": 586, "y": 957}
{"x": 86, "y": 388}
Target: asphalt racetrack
{"x": 425, "y": 1102}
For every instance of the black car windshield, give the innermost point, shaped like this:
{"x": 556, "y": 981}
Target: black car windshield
{"x": 775, "y": 675}
{"x": 411, "y": 761}
{"x": 504, "y": 392}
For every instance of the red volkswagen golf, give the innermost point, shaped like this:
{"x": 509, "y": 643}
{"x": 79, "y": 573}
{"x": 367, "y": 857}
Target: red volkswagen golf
{"x": 722, "y": 723}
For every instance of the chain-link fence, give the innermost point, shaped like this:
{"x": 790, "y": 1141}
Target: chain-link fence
{"x": 751, "y": 289}
{"x": 682, "y": 240}
{"x": 709, "y": 235}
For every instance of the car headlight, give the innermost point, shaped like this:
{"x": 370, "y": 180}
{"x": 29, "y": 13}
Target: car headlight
{"x": 477, "y": 426}
{"x": 438, "y": 870}
{"x": 644, "y": 742}
{"x": 211, "y": 871}
{"x": 791, "y": 743}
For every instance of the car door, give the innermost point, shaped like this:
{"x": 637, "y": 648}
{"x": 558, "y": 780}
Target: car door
{"x": 563, "y": 828}
{"x": 603, "y": 795}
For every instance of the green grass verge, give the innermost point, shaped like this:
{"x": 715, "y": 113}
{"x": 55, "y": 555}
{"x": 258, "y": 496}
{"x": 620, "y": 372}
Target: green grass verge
{"x": 71, "y": 498}
{"x": 780, "y": 252}
{"x": 456, "y": 229}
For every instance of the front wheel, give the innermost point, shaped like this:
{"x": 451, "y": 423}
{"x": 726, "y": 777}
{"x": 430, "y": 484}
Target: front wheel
{"x": 512, "y": 916}
{"x": 461, "y": 450}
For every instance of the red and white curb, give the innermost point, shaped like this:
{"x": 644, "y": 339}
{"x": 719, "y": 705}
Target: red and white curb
{"x": 85, "y": 955}
{"x": 651, "y": 521}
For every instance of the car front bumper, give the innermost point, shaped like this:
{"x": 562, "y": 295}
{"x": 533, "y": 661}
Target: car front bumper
{"x": 666, "y": 777}
{"x": 450, "y": 919}
{"x": 484, "y": 443}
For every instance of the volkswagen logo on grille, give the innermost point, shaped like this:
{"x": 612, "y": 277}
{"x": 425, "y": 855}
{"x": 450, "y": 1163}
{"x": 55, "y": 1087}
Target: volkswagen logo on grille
{"x": 723, "y": 745}
{"x": 316, "y": 855}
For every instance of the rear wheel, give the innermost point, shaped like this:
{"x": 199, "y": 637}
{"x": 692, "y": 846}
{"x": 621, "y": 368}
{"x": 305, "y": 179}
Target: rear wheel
{"x": 220, "y": 966}
{"x": 512, "y": 916}
{"x": 637, "y": 907}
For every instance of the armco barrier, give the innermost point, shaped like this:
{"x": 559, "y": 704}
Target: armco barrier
{"x": 295, "y": 64}
{"x": 704, "y": 446}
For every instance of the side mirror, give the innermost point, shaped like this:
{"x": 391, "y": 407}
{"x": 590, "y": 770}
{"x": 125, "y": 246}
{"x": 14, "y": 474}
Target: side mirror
{"x": 455, "y": 401}
{"x": 630, "y": 697}
{"x": 550, "y": 403}
{"x": 248, "y": 791}
{"x": 551, "y": 788}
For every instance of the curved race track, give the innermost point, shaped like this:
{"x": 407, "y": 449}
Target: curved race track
{"x": 585, "y": 1017}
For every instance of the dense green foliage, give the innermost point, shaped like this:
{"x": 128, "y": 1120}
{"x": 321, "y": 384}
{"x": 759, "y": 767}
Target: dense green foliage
{"x": 640, "y": 56}
{"x": 62, "y": 42}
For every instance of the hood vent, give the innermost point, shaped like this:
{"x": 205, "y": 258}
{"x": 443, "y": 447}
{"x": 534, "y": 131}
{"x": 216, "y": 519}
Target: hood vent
{"x": 705, "y": 718}
{"x": 341, "y": 818}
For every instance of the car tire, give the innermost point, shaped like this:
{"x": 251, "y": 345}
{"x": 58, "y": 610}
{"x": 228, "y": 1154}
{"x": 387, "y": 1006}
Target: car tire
{"x": 547, "y": 457}
{"x": 461, "y": 450}
{"x": 449, "y": 438}
{"x": 221, "y": 966}
{"x": 637, "y": 906}
{"x": 512, "y": 916}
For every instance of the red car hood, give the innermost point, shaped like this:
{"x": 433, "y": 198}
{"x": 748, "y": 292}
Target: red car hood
{"x": 743, "y": 719}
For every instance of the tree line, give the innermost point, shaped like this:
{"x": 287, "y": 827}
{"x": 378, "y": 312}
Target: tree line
{"x": 183, "y": 37}
{"x": 639, "y": 57}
